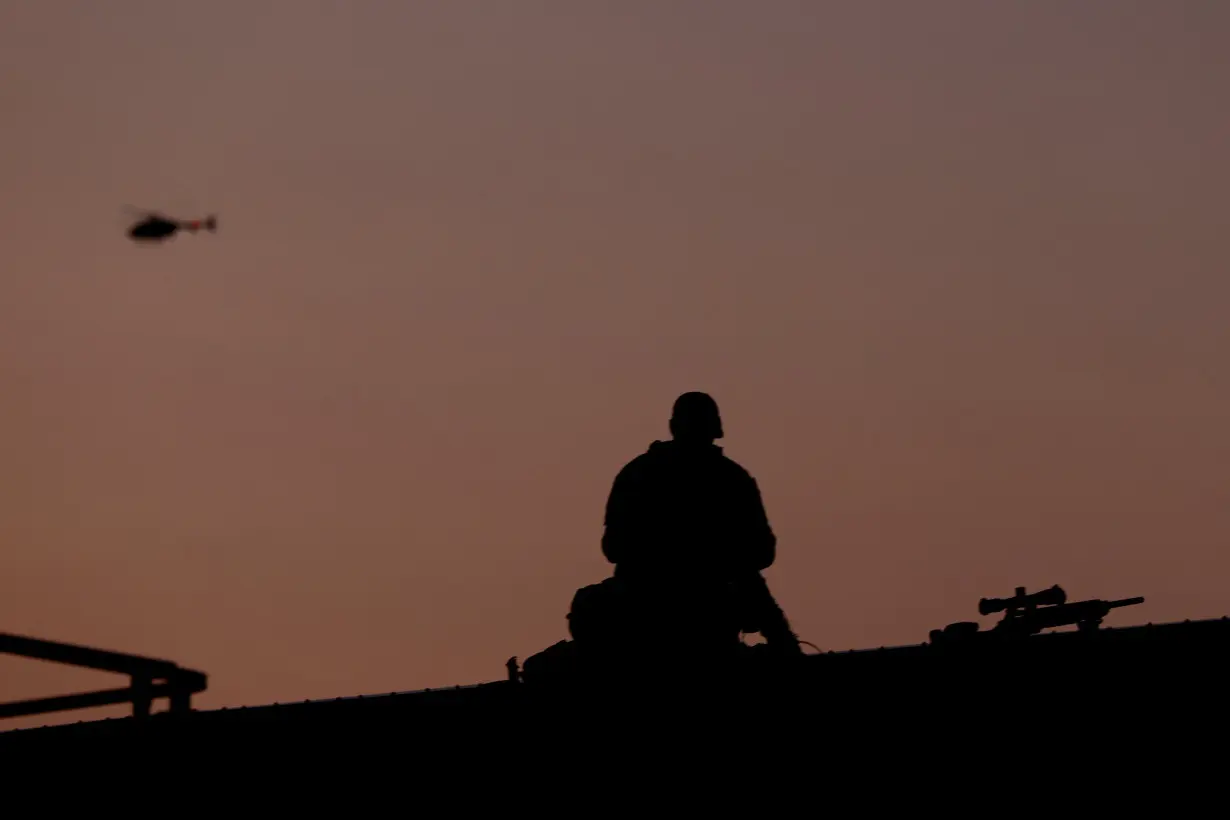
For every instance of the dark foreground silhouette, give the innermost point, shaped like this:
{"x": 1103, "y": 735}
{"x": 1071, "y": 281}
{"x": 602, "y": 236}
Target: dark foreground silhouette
{"x": 656, "y": 685}
{"x": 1095, "y": 715}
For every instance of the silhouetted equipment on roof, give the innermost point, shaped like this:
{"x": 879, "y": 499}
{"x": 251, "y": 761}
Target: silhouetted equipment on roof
{"x": 155, "y": 227}
{"x": 150, "y": 678}
{"x": 1029, "y": 614}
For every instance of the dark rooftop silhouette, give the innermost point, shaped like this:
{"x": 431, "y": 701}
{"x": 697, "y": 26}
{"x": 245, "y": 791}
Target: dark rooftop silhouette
{"x": 1061, "y": 670}
{"x": 1062, "y": 714}
{"x": 655, "y": 667}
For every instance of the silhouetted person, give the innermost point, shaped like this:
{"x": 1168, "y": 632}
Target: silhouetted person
{"x": 687, "y": 532}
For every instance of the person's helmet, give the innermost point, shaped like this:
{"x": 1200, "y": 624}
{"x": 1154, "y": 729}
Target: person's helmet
{"x": 695, "y": 415}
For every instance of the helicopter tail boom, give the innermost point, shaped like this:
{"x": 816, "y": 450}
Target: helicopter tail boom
{"x": 209, "y": 223}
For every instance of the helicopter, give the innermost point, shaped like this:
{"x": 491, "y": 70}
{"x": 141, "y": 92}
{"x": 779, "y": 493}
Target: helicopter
{"x": 157, "y": 228}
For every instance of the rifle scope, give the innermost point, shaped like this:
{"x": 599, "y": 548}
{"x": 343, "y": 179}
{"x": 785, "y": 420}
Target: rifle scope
{"x": 1047, "y": 597}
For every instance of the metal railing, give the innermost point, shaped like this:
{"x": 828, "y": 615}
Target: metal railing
{"x": 151, "y": 678}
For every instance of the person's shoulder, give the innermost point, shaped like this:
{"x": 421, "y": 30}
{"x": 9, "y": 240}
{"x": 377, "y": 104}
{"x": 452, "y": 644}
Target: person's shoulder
{"x": 643, "y": 460}
{"x": 735, "y": 469}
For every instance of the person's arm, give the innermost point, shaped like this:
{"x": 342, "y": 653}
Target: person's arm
{"x": 759, "y": 537}
{"x": 617, "y": 520}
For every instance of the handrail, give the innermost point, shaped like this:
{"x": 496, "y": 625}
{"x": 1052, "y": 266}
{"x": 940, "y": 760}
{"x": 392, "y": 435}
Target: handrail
{"x": 151, "y": 678}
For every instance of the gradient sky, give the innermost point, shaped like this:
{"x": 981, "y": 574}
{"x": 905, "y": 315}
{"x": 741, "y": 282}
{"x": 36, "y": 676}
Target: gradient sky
{"x": 956, "y": 273}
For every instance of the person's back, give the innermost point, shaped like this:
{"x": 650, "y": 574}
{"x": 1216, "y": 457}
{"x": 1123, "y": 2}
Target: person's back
{"x": 683, "y": 509}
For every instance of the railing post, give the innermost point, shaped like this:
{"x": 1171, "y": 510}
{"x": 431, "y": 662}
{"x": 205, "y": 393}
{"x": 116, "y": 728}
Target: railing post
{"x": 180, "y": 697}
{"x": 142, "y": 700}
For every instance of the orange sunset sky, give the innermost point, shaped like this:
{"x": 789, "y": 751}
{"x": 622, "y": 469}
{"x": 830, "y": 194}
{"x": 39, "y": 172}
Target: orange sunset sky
{"x": 956, "y": 272}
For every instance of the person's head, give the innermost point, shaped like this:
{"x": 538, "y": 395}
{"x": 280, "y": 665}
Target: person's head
{"x": 695, "y": 418}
